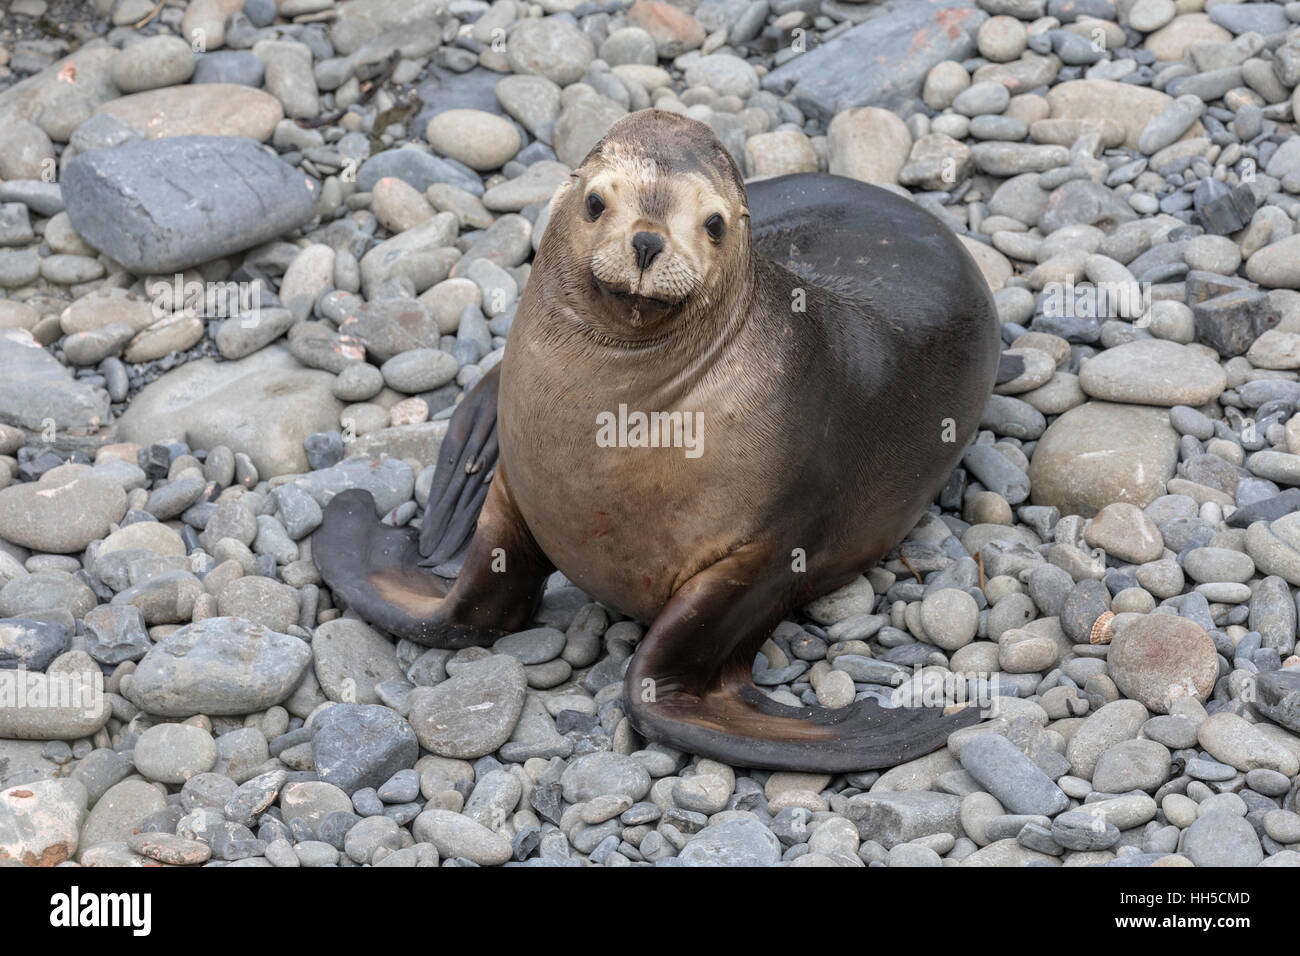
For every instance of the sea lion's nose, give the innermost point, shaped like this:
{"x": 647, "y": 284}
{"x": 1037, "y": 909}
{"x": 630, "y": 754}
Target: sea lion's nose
{"x": 647, "y": 245}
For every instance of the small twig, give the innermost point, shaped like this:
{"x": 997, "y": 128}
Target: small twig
{"x": 152, "y": 13}
{"x": 368, "y": 89}
{"x": 908, "y": 564}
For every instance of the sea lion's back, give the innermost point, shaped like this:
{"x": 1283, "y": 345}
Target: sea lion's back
{"x": 873, "y": 245}
{"x": 910, "y": 309}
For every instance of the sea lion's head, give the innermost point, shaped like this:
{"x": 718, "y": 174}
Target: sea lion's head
{"x": 656, "y": 215}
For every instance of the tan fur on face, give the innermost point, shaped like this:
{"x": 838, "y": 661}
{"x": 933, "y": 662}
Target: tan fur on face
{"x": 651, "y": 185}
{"x": 688, "y": 255}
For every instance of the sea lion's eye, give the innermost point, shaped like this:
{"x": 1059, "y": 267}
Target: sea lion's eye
{"x": 595, "y": 206}
{"x": 714, "y": 226}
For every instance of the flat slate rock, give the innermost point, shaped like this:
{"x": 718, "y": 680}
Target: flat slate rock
{"x": 892, "y": 51}
{"x": 36, "y": 388}
{"x": 446, "y": 90}
{"x": 1269, "y": 509}
{"x": 163, "y": 205}
{"x": 389, "y": 481}
{"x": 61, "y": 513}
{"x": 418, "y": 169}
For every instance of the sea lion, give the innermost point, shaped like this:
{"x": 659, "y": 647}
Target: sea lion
{"x": 830, "y": 344}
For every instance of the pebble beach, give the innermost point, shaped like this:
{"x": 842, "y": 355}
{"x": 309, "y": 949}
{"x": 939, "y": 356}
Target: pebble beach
{"x": 254, "y": 252}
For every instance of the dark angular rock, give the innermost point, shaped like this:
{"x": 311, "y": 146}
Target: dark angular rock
{"x": 361, "y": 745}
{"x": 1278, "y": 697}
{"x": 1083, "y": 201}
{"x": 1270, "y": 509}
{"x": 33, "y": 463}
{"x": 1009, "y": 367}
{"x": 116, "y": 633}
{"x": 1222, "y": 209}
{"x": 1200, "y": 285}
{"x": 1230, "y": 323}
{"x": 324, "y": 449}
{"x": 30, "y": 643}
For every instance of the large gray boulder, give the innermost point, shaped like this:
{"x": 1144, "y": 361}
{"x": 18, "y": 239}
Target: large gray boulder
{"x": 162, "y": 205}
{"x": 264, "y": 405}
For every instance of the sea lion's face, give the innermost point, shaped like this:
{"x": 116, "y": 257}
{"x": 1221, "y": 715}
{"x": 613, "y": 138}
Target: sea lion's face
{"x": 651, "y": 236}
{"x": 654, "y": 223}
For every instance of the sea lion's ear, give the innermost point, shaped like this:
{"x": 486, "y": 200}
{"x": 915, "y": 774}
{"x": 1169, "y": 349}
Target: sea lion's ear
{"x": 562, "y": 191}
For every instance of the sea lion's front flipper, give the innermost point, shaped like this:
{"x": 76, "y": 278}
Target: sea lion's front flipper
{"x": 689, "y": 686}
{"x": 466, "y": 462}
{"x": 375, "y": 570}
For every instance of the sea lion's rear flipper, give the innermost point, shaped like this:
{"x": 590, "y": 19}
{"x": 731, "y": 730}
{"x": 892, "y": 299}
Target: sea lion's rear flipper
{"x": 466, "y": 463}
{"x": 689, "y": 686}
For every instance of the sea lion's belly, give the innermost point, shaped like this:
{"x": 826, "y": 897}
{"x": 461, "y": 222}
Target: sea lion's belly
{"x": 799, "y": 466}
{"x": 627, "y": 524}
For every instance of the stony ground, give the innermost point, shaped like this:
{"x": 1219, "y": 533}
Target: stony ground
{"x": 1118, "y": 556}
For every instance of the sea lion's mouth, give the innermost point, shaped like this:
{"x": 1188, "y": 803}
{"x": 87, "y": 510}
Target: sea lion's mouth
{"x": 623, "y": 294}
